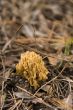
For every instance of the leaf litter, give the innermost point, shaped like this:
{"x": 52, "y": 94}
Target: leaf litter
{"x": 44, "y": 27}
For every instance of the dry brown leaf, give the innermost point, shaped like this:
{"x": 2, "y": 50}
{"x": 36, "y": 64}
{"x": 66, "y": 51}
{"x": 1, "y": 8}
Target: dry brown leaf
{"x": 48, "y": 89}
{"x": 53, "y": 60}
{"x": 61, "y": 104}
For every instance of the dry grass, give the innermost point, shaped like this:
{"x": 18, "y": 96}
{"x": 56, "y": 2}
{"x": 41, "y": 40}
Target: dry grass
{"x": 45, "y": 27}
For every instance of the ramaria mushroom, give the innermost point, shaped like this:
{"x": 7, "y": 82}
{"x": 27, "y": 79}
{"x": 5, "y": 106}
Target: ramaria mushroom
{"x": 32, "y": 67}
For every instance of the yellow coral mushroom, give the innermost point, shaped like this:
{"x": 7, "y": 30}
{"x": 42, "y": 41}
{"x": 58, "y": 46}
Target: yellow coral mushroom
{"x": 32, "y": 67}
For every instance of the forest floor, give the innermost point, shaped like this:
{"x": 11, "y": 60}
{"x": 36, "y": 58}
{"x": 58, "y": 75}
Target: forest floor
{"x": 45, "y": 27}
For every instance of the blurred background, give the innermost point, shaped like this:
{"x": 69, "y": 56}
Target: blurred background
{"x": 40, "y": 25}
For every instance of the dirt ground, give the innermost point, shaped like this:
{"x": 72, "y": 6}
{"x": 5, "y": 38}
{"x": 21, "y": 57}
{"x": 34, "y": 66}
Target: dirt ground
{"x": 44, "y": 27}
